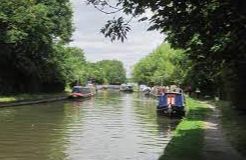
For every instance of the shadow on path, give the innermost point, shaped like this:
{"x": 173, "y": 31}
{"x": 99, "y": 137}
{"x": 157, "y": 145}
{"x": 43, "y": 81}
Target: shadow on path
{"x": 216, "y": 146}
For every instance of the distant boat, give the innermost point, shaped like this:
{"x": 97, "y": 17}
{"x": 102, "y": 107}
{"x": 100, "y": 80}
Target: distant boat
{"x": 126, "y": 88}
{"x": 147, "y": 92}
{"x": 145, "y": 89}
{"x": 81, "y": 92}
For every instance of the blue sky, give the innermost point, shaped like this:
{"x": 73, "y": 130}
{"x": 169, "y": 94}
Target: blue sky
{"x": 88, "y": 21}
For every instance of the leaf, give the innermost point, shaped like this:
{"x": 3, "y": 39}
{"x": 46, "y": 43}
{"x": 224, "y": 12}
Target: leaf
{"x": 143, "y": 19}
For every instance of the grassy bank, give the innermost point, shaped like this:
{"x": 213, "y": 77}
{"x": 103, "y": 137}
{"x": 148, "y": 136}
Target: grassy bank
{"x": 187, "y": 142}
{"x": 29, "y": 97}
{"x": 233, "y": 123}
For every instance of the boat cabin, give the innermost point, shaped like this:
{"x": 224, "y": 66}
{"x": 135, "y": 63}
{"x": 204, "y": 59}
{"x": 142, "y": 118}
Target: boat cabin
{"x": 80, "y": 92}
{"x": 171, "y": 102}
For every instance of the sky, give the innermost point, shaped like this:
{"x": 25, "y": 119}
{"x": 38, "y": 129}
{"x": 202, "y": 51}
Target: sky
{"x": 88, "y": 21}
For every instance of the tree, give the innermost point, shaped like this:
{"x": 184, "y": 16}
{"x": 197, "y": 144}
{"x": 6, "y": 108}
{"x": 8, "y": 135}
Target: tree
{"x": 211, "y": 32}
{"x": 106, "y": 71}
{"x": 164, "y": 66}
{"x": 113, "y": 71}
{"x": 70, "y": 63}
{"x": 95, "y": 73}
{"x": 28, "y": 31}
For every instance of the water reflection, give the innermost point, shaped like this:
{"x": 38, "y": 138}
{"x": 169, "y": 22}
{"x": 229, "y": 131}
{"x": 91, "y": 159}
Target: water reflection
{"x": 32, "y": 132}
{"x": 111, "y": 126}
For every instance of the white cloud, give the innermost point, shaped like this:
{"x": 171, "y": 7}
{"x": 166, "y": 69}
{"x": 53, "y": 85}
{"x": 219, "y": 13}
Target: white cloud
{"x": 88, "y": 21}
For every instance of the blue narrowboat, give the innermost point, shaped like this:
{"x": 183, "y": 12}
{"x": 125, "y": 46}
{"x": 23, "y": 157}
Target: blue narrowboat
{"x": 171, "y": 103}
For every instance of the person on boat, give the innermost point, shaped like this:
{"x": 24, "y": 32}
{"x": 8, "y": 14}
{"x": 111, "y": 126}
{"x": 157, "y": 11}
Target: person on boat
{"x": 161, "y": 91}
{"x": 197, "y": 92}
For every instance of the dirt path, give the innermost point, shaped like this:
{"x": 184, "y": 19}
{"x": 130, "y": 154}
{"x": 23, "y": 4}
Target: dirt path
{"x": 216, "y": 146}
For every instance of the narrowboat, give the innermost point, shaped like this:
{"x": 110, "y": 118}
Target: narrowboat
{"x": 126, "y": 88}
{"x": 81, "y": 92}
{"x": 171, "y": 103}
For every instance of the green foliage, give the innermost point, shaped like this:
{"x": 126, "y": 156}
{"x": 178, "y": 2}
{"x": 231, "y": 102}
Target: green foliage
{"x": 116, "y": 29}
{"x": 96, "y": 73}
{"x": 28, "y": 32}
{"x": 34, "y": 58}
{"x": 164, "y": 65}
{"x": 212, "y": 33}
{"x": 107, "y": 71}
{"x": 71, "y": 63}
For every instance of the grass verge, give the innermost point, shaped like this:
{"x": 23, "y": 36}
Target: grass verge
{"x": 233, "y": 123}
{"x": 187, "y": 142}
{"x": 29, "y": 97}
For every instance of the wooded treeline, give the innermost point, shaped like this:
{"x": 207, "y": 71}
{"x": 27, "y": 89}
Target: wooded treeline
{"x": 34, "y": 53}
{"x": 30, "y": 31}
{"x": 164, "y": 66}
{"x": 168, "y": 66}
{"x": 212, "y": 33}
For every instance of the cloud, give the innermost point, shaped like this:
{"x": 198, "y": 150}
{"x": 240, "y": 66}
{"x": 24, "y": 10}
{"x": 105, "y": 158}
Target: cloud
{"x": 88, "y": 21}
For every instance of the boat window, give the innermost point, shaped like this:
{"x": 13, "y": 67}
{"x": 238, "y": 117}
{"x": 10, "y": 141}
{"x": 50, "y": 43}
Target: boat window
{"x": 86, "y": 90}
{"x": 76, "y": 90}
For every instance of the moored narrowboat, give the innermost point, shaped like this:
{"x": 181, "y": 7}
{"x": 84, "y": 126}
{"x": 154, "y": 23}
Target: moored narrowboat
{"x": 81, "y": 92}
{"x": 171, "y": 103}
{"x": 126, "y": 88}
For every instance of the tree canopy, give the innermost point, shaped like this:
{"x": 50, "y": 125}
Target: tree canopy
{"x": 164, "y": 66}
{"x": 107, "y": 71}
{"x": 34, "y": 53}
{"x": 28, "y": 31}
{"x": 211, "y": 32}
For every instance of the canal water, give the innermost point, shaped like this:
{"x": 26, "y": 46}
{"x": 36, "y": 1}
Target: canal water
{"x": 109, "y": 126}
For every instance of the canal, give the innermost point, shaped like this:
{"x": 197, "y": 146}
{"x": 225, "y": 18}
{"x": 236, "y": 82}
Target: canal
{"x": 109, "y": 126}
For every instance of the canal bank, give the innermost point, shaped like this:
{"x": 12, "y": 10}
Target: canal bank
{"x": 187, "y": 140}
{"x": 210, "y": 131}
{"x": 26, "y": 99}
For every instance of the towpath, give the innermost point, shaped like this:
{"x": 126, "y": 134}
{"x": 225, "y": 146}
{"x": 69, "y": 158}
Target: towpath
{"x": 216, "y": 146}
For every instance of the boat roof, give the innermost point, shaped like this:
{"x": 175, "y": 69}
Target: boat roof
{"x": 80, "y": 87}
{"x": 124, "y": 84}
{"x": 173, "y": 93}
